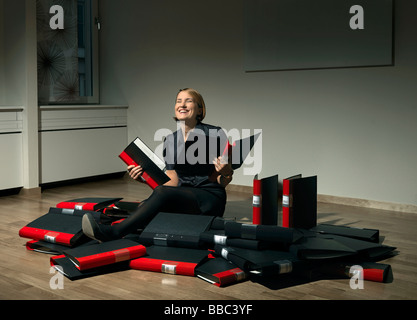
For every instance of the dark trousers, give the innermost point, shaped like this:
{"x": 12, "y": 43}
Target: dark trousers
{"x": 186, "y": 200}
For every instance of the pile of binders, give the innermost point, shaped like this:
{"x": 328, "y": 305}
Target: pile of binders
{"x": 217, "y": 250}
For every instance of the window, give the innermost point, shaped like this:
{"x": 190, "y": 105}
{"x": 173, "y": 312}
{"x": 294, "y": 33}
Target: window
{"x": 68, "y": 56}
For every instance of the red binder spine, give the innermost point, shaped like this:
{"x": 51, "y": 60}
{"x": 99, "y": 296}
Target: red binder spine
{"x": 105, "y": 258}
{"x": 372, "y": 272}
{"x": 229, "y": 276}
{"x": 29, "y": 244}
{"x": 164, "y": 266}
{"x": 256, "y": 202}
{"x": 376, "y": 275}
{"x": 286, "y": 204}
{"x": 53, "y": 259}
{"x": 76, "y": 205}
{"x": 129, "y": 161}
{"x": 46, "y": 235}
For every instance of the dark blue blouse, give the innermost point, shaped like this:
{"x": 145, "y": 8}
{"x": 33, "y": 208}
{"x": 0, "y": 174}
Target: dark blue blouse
{"x": 192, "y": 159}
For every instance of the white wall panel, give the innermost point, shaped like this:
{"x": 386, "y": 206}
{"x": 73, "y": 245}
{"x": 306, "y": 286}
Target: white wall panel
{"x": 11, "y": 161}
{"x": 72, "y": 154}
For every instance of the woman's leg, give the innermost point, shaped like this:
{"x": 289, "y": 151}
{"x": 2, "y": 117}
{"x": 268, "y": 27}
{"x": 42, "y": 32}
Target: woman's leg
{"x": 167, "y": 199}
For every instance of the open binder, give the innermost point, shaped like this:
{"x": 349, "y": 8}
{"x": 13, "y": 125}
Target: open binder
{"x": 138, "y": 153}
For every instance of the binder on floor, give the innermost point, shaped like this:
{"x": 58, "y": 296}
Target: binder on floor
{"x": 213, "y": 237}
{"x": 138, "y": 153}
{"x": 100, "y": 254}
{"x": 260, "y": 262}
{"x": 65, "y": 266}
{"x": 265, "y": 200}
{"x": 175, "y": 230}
{"x": 299, "y": 202}
{"x": 220, "y": 272}
{"x": 171, "y": 260}
{"x": 92, "y": 204}
{"x": 98, "y": 216}
{"x": 351, "y": 232}
{"x": 276, "y": 234}
{"x": 319, "y": 247}
{"x": 50, "y": 248}
{"x": 55, "y": 228}
{"x": 371, "y": 271}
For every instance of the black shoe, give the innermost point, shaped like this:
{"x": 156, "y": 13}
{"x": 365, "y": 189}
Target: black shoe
{"x": 92, "y": 229}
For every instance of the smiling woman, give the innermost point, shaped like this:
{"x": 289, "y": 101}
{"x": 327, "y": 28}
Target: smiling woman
{"x": 193, "y": 188}
{"x": 189, "y": 105}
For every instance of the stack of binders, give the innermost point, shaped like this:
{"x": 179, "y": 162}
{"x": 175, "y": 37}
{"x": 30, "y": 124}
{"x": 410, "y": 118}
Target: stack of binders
{"x": 220, "y": 251}
{"x": 59, "y": 232}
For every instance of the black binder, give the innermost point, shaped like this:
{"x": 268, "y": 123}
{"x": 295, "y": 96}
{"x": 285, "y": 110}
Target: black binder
{"x": 356, "y": 233}
{"x": 299, "y": 202}
{"x": 89, "y": 203}
{"x": 175, "y": 230}
{"x": 276, "y": 234}
{"x": 65, "y": 266}
{"x": 213, "y": 237}
{"x": 56, "y": 228}
{"x": 319, "y": 246}
{"x": 220, "y": 272}
{"x": 171, "y": 260}
{"x": 260, "y": 262}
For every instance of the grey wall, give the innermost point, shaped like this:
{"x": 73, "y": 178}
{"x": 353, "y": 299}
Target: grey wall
{"x": 353, "y": 128}
{"x": 12, "y": 52}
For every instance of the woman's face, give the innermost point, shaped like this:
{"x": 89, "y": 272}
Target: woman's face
{"x": 186, "y": 109}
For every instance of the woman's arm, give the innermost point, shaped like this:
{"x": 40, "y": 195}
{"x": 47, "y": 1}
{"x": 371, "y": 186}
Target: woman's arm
{"x": 135, "y": 173}
{"x": 225, "y": 171}
{"x": 172, "y": 174}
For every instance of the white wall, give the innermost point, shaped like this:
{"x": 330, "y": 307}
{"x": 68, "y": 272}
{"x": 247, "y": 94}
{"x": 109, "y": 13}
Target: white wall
{"x": 354, "y": 128}
{"x": 2, "y": 78}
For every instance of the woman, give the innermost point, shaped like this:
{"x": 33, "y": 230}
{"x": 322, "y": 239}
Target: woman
{"x": 193, "y": 188}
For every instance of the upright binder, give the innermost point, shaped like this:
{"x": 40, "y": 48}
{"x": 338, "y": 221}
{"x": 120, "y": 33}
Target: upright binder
{"x": 172, "y": 260}
{"x": 220, "y": 272}
{"x": 138, "y": 153}
{"x": 299, "y": 202}
{"x": 175, "y": 230}
{"x": 101, "y": 254}
{"x": 265, "y": 200}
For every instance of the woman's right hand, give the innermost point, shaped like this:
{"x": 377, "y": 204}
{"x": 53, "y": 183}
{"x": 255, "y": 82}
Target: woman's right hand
{"x": 135, "y": 172}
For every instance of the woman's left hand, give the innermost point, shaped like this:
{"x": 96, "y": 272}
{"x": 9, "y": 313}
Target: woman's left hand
{"x": 222, "y": 166}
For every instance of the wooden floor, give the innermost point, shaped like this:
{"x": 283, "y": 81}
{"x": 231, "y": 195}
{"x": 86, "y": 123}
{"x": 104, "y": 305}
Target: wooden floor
{"x": 26, "y": 275}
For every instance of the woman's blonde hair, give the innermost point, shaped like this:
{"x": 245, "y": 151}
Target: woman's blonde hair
{"x": 198, "y": 98}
